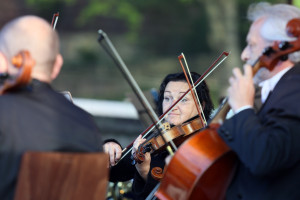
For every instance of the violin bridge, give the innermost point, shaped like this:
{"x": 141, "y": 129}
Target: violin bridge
{"x": 165, "y": 127}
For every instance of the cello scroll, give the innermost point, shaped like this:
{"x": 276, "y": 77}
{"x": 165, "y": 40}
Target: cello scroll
{"x": 280, "y": 50}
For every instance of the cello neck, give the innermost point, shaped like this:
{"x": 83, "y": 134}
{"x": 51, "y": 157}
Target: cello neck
{"x": 151, "y": 195}
{"x": 220, "y": 115}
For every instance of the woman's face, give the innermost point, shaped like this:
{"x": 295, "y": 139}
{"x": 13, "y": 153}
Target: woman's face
{"x": 185, "y": 109}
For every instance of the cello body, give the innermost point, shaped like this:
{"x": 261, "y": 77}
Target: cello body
{"x": 202, "y": 168}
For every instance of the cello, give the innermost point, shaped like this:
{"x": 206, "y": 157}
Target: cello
{"x": 202, "y": 168}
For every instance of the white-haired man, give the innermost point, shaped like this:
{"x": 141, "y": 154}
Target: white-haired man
{"x": 267, "y": 143}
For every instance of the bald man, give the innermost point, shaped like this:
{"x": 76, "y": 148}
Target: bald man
{"x": 36, "y": 117}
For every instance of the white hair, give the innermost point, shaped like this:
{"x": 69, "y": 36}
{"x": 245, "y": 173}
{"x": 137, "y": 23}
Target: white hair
{"x": 276, "y": 18}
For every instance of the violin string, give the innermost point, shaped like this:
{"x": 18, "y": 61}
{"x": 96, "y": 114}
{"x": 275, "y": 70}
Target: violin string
{"x": 146, "y": 134}
{"x": 129, "y": 150}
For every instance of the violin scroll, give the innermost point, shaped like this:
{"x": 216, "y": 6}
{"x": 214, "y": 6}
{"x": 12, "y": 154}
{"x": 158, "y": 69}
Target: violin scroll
{"x": 151, "y": 145}
{"x": 139, "y": 155}
{"x": 23, "y": 62}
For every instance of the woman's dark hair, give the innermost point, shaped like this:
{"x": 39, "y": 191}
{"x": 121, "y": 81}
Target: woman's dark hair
{"x": 202, "y": 91}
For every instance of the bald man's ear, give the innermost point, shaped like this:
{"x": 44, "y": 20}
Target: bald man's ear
{"x": 57, "y": 66}
{"x": 3, "y": 63}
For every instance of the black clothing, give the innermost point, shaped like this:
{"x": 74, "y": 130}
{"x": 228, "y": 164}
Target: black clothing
{"x": 37, "y": 118}
{"x": 123, "y": 171}
{"x": 142, "y": 189}
{"x": 268, "y": 144}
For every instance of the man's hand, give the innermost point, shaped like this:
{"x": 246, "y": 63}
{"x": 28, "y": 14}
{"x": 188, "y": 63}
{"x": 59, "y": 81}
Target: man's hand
{"x": 241, "y": 90}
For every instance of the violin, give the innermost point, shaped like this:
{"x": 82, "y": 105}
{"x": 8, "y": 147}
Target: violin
{"x": 24, "y": 63}
{"x": 156, "y": 143}
{"x": 188, "y": 128}
{"x": 205, "y": 157}
{"x": 177, "y": 134}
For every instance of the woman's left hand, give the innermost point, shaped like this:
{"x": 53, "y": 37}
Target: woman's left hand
{"x": 144, "y": 167}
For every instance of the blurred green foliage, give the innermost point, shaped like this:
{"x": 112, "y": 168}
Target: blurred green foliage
{"x": 123, "y": 10}
{"x": 48, "y": 2}
{"x": 149, "y": 36}
{"x": 177, "y": 23}
{"x": 296, "y": 3}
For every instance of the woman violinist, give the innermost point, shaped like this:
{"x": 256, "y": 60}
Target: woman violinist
{"x": 171, "y": 89}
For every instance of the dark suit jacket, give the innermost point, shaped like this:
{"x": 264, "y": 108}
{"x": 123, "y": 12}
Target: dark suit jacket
{"x": 141, "y": 189}
{"x": 37, "y": 118}
{"x": 125, "y": 171}
{"x": 268, "y": 145}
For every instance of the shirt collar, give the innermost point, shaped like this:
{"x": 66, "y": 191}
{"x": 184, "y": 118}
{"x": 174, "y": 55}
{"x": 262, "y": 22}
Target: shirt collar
{"x": 268, "y": 85}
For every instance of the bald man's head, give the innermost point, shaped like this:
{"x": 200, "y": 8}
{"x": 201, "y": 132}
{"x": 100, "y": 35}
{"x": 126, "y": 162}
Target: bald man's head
{"x": 35, "y": 35}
